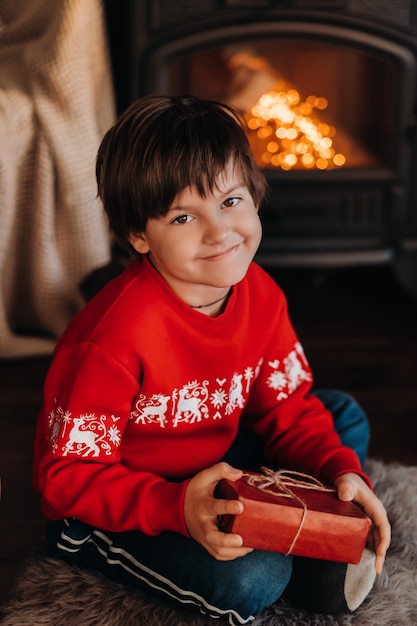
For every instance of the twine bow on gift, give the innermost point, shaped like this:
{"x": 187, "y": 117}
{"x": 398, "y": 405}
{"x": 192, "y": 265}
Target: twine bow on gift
{"x": 281, "y": 483}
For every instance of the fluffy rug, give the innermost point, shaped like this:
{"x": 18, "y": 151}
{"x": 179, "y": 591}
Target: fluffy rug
{"x": 50, "y": 593}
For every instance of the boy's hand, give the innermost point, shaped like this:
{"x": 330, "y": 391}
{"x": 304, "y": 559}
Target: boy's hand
{"x": 350, "y": 486}
{"x": 202, "y": 510}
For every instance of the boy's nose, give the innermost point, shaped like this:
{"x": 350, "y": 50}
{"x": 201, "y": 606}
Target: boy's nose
{"x": 217, "y": 230}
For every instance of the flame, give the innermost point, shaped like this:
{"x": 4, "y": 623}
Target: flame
{"x": 285, "y": 132}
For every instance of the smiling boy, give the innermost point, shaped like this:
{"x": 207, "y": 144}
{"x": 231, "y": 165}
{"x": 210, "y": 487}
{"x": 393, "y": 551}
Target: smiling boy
{"x": 204, "y": 245}
{"x": 179, "y": 373}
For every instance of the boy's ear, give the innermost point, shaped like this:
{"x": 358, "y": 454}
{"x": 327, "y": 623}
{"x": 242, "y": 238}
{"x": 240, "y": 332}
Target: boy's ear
{"x": 139, "y": 242}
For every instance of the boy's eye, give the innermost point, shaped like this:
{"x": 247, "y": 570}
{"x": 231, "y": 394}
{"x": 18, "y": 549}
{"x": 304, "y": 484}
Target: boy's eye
{"x": 181, "y": 219}
{"x": 230, "y": 202}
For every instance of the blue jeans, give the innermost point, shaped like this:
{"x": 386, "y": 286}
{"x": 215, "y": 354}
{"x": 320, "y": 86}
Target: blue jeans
{"x": 178, "y": 568}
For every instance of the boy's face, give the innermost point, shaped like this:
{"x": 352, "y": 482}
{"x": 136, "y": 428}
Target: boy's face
{"x": 204, "y": 245}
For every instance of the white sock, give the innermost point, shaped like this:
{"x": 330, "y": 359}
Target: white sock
{"x": 359, "y": 580}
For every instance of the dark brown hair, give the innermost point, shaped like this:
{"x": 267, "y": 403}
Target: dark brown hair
{"x": 159, "y": 146}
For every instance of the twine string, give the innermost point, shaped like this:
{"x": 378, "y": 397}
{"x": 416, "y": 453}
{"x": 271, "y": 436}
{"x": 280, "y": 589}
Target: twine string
{"x": 281, "y": 483}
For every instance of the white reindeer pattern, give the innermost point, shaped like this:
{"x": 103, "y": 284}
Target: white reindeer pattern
{"x": 85, "y": 439}
{"x": 153, "y": 411}
{"x": 294, "y": 369}
{"x": 235, "y": 394}
{"x": 191, "y": 404}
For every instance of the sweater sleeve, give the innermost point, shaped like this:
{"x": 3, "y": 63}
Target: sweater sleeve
{"x": 297, "y": 430}
{"x": 78, "y": 466}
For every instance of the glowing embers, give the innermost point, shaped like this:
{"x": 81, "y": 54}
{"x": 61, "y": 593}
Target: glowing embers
{"x": 285, "y": 132}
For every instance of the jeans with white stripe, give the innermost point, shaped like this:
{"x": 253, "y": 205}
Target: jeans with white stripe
{"x": 178, "y": 568}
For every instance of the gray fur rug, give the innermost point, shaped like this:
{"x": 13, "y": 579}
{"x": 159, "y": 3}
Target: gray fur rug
{"x": 51, "y": 593}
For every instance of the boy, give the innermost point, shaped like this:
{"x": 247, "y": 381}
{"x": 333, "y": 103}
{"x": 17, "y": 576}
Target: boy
{"x": 178, "y": 372}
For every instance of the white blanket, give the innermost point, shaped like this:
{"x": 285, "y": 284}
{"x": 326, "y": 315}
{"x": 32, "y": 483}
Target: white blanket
{"x": 56, "y": 102}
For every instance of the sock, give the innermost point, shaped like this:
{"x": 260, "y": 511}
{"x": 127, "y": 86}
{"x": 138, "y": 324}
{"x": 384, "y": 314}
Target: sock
{"x": 329, "y": 587}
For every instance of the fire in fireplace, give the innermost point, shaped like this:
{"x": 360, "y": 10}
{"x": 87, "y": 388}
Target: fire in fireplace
{"x": 328, "y": 92}
{"x": 294, "y": 95}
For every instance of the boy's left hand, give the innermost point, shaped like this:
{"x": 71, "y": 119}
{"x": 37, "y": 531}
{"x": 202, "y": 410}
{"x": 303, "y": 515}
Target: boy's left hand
{"x": 351, "y": 486}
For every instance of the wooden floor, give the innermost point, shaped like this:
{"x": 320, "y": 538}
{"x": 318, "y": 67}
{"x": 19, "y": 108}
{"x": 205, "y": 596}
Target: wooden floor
{"x": 359, "y": 332}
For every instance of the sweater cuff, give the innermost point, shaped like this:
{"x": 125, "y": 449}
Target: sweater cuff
{"x": 165, "y": 507}
{"x": 341, "y": 462}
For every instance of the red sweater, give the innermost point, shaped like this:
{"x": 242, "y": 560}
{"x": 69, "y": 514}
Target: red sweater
{"x": 144, "y": 392}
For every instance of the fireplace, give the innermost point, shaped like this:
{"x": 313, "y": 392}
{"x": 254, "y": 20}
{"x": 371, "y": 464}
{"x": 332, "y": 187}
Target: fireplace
{"x": 328, "y": 90}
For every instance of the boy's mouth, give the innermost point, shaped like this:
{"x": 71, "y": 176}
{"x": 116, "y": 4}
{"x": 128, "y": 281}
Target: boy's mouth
{"x": 222, "y": 254}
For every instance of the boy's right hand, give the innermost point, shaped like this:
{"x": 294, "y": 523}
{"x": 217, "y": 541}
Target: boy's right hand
{"x": 202, "y": 511}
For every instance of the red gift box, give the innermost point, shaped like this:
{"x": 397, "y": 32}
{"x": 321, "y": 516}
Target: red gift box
{"x": 295, "y": 517}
